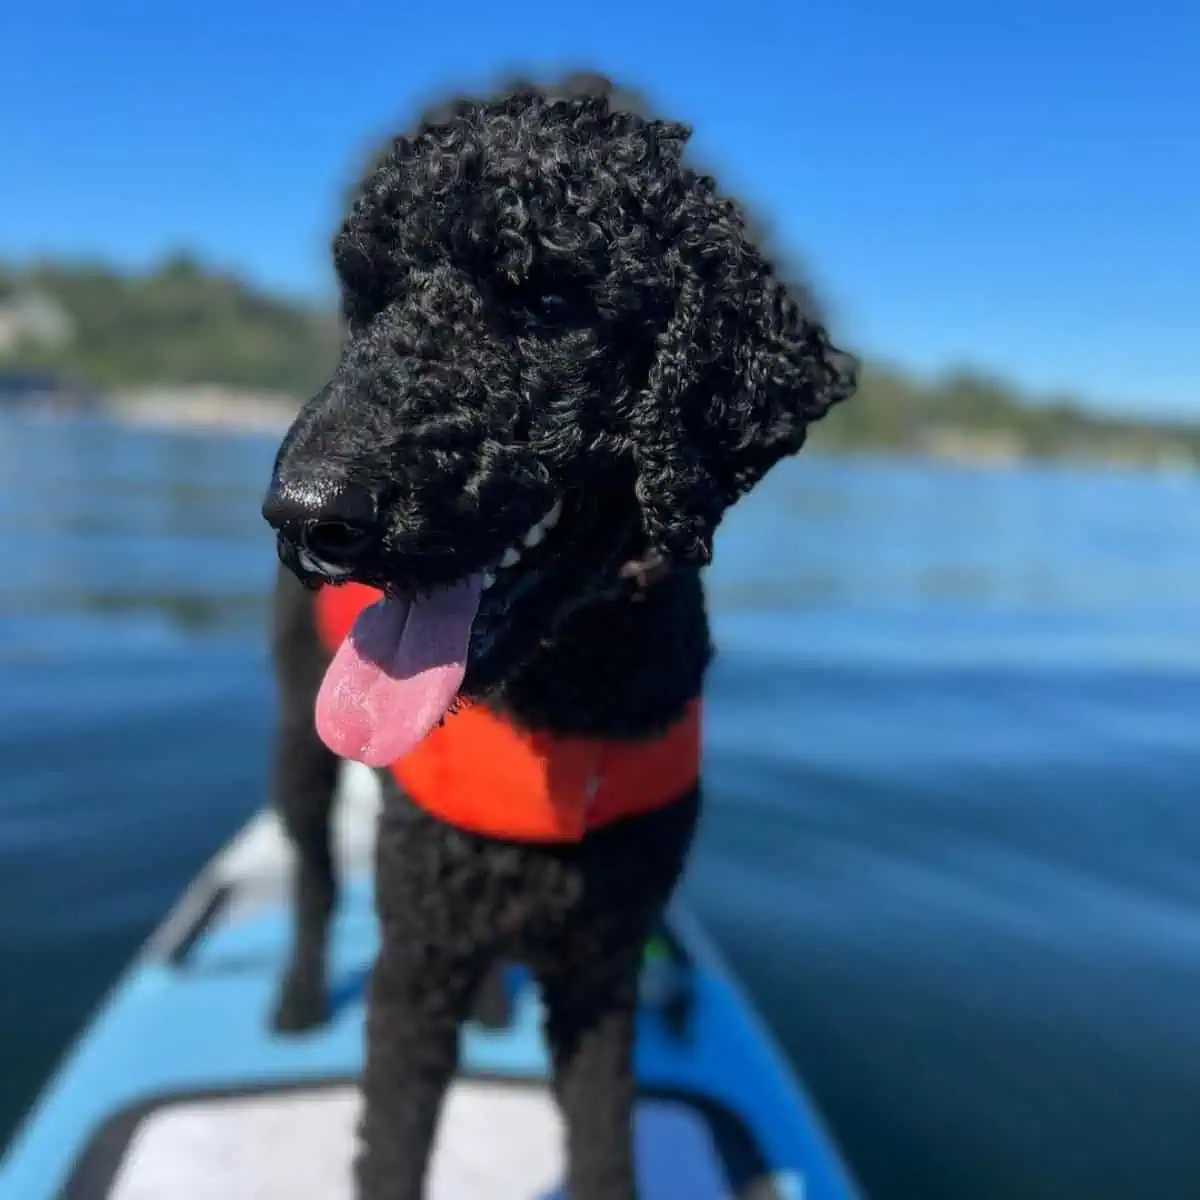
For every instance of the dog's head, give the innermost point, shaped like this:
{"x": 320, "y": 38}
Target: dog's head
{"x": 565, "y": 360}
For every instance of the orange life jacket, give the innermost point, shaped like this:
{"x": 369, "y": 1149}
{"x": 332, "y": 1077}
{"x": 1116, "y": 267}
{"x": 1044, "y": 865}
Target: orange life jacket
{"x": 480, "y": 772}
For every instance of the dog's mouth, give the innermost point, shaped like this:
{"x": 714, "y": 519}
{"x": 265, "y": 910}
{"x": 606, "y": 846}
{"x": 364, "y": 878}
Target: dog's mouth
{"x": 400, "y": 668}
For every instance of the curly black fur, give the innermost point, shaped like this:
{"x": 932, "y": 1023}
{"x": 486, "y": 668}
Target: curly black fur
{"x": 543, "y": 302}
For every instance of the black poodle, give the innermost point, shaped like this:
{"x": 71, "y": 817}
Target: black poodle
{"x": 565, "y": 359}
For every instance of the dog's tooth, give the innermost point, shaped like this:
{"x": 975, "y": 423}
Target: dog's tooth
{"x": 307, "y": 561}
{"x": 488, "y": 580}
{"x": 538, "y": 533}
{"x": 512, "y": 556}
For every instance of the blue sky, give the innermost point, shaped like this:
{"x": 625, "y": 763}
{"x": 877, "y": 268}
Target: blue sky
{"x": 1018, "y": 190}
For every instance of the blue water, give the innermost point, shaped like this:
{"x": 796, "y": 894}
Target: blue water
{"x": 952, "y": 844}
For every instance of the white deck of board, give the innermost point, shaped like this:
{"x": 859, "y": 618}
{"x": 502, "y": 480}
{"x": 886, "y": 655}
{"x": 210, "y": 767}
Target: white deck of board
{"x": 494, "y": 1143}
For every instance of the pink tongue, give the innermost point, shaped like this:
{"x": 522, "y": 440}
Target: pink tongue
{"x": 396, "y": 673}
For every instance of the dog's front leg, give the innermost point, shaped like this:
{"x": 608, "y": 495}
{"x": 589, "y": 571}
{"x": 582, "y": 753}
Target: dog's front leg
{"x": 418, "y": 999}
{"x": 590, "y": 1028}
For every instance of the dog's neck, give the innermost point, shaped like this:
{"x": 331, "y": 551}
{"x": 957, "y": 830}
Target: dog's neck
{"x": 619, "y": 668}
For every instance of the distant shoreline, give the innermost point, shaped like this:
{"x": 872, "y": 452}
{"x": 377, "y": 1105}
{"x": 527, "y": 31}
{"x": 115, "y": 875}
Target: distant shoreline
{"x": 204, "y": 408}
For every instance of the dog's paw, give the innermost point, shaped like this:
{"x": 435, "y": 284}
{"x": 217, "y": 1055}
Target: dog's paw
{"x": 302, "y": 1005}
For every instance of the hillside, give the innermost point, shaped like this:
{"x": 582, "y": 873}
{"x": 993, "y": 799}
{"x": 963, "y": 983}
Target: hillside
{"x": 178, "y": 324}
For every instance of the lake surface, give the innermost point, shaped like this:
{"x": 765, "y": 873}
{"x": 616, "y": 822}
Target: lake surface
{"x": 953, "y": 753}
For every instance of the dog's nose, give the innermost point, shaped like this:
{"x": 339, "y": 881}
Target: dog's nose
{"x": 335, "y": 523}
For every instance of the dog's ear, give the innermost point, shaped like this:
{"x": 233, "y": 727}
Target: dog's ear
{"x": 739, "y": 374}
